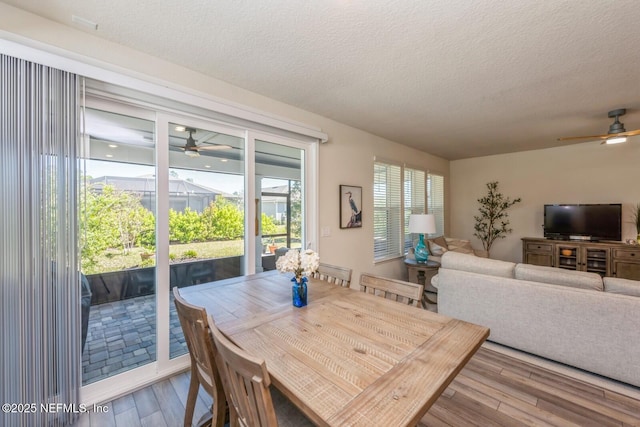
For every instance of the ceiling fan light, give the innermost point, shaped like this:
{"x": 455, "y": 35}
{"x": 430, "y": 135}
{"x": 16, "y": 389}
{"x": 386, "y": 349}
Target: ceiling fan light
{"x": 616, "y": 140}
{"x": 191, "y": 153}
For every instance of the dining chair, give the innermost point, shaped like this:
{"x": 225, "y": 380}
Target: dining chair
{"x": 246, "y": 382}
{"x": 334, "y": 274}
{"x": 396, "y": 290}
{"x": 195, "y": 326}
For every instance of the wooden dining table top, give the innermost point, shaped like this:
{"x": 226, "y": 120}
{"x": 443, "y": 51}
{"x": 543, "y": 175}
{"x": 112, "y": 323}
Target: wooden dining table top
{"x": 348, "y": 358}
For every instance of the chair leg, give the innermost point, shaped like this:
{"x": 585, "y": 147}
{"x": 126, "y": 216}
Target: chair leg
{"x": 219, "y": 409}
{"x": 194, "y": 385}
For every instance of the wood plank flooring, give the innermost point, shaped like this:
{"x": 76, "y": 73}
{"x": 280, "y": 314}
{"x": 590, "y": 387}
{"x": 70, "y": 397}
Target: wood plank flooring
{"x": 494, "y": 389}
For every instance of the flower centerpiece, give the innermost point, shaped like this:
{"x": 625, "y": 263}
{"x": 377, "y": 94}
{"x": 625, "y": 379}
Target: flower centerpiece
{"x": 301, "y": 264}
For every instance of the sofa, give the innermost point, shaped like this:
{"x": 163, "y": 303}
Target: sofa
{"x": 575, "y": 318}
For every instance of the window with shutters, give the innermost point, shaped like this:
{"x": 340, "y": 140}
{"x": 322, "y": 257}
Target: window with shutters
{"x": 414, "y": 200}
{"x": 397, "y": 193}
{"x": 435, "y": 201}
{"x": 387, "y": 211}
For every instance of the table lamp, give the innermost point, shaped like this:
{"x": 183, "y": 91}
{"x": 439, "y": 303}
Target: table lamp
{"x": 422, "y": 224}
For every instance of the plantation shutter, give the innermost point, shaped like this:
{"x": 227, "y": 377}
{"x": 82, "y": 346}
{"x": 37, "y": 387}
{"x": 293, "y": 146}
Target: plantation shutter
{"x": 435, "y": 201}
{"x": 387, "y": 213}
{"x": 414, "y": 199}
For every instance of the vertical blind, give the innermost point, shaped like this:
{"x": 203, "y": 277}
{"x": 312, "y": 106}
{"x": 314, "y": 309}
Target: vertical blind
{"x": 414, "y": 199}
{"x": 387, "y": 211}
{"x": 40, "y": 289}
{"x": 435, "y": 201}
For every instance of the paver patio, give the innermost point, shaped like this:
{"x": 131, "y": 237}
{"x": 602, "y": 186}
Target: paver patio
{"x": 122, "y": 336}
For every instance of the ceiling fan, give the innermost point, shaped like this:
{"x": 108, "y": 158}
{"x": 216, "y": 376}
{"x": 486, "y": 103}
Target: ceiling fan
{"x": 617, "y": 132}
{"x": 192, "y": 150}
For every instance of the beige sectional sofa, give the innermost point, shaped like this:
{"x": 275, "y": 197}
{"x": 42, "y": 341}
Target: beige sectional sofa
{"x": 571, "y": 317}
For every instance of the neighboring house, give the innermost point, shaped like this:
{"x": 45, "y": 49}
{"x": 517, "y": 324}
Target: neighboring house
{"x": 182, "y": 194}
{"x": 274, "y": 205}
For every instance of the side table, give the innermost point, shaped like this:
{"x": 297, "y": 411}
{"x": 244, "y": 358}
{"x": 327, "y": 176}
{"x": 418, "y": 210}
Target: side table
{"x": 421, "y": 273}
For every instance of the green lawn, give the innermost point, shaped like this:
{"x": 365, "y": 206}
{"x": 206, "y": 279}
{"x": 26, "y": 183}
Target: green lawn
{"x": 115, "y": 259}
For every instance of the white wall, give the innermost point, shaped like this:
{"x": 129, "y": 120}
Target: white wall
{"x": 580, "y": 173}
{"x": 346, "y": 159}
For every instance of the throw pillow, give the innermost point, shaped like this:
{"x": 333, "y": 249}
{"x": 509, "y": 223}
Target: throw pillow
{"x": 459, "y": 245}
{"x": 437, "y": 246}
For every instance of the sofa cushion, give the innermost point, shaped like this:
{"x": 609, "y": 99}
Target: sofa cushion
{"x": 621, "y": 286}
{"x": 437, "y": 246}
{"x": 559, "y": 276}
{"x": 474, "y": 264}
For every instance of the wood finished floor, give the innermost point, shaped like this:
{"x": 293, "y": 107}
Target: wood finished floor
{"x": 492, "y": 390}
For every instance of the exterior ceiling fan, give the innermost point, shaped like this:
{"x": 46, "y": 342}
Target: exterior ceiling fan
{"x": 192, "y": 150}
{"x": 617, "y": 132}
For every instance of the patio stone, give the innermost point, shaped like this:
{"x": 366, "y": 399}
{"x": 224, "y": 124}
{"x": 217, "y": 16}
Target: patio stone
{"x": 121, "y": 336}
{"x": 103, "y": 355}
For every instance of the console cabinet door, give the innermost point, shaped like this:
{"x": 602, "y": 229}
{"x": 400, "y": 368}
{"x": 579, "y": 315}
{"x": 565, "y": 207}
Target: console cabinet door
{"x": 568, "y": 256}
{"x": 626, "y": 263}
{"x": 538, "y": 253}
{"x": 595, "y": 260}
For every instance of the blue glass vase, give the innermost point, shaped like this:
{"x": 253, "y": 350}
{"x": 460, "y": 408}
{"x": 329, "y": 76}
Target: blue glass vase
{"x": 421, "y": 252}
{"x": 299, "y": 292}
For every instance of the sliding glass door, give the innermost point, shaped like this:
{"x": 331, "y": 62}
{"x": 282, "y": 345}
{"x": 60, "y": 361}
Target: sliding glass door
{"x": 280, "y": 180}
{"x": 117, "y": 229}
{"x": 206, "y": 215}
{"x": 173, "y": 200}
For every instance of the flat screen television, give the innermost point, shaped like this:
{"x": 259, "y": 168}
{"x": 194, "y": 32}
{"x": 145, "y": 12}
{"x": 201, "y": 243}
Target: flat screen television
{"x": 583, "y": 222}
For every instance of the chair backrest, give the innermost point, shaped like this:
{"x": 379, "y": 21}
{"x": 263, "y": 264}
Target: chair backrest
{"x": 397, "y": 290}
{"x": 246, "y": 383}
{"x": 333, "y": 274}
{"x": 195, "y": 326}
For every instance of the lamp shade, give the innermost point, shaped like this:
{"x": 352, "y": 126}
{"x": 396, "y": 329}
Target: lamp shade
{"x": 422, "y": 223}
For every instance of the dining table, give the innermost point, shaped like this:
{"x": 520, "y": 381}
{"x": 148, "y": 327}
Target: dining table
{"x": 348, "y": 358}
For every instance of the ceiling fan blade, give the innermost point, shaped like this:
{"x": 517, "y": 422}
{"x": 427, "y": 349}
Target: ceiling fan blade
{"x": 629, "y": 133}
{"x": 213, "y": 147}
{"x": 609, "y": 135}
{"x": 571, "y": 138}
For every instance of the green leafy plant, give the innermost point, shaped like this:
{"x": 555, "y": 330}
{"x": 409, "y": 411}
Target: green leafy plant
{"x": 268, "y": 225}
{"x": 492, "y": 222}
{"x": 222, "y": 220}
{"x": 185, "y": 226}
{"x": 635, "y": 214}
{"x": 189, "y": 254}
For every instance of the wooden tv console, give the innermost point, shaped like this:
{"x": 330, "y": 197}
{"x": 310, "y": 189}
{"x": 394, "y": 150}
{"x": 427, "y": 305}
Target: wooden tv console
{"x": 609, "y": 259}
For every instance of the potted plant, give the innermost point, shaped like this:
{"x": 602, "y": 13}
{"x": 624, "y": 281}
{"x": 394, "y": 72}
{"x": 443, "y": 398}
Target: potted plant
{"x": 635, "y": 214}
{"x": 272, "y": 246}
{"x": 492, "y": 222}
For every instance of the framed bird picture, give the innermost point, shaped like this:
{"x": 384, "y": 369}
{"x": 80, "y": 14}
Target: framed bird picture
{"x": 350, "y": 206}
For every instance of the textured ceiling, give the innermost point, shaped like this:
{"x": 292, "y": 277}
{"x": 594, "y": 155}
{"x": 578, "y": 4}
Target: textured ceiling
{"x": 456, "y": 78}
